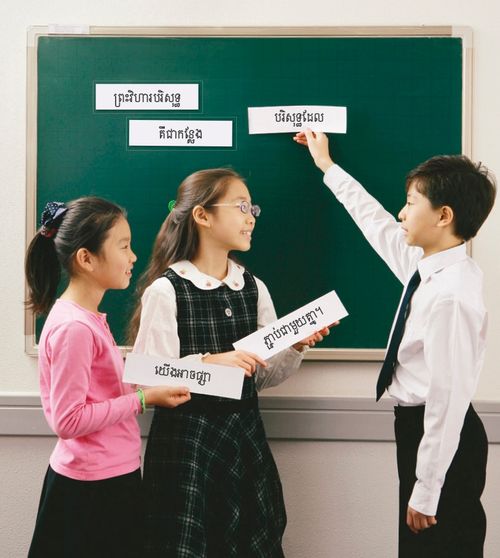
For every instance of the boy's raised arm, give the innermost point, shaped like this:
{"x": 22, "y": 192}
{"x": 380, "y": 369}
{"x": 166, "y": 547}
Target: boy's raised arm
{"x": 378, "y": 226}
{"x": 318, "y": 147}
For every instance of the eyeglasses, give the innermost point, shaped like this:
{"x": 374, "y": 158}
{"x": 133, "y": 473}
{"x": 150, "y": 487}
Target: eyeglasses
{"x": 244, "y": 206}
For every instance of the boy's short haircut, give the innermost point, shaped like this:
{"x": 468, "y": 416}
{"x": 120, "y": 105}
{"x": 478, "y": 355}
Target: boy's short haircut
{"x": 454, "y": 180}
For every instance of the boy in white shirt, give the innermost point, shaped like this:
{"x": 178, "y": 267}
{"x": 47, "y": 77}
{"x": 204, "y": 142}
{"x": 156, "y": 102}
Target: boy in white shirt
{"x": 436, "y": 349}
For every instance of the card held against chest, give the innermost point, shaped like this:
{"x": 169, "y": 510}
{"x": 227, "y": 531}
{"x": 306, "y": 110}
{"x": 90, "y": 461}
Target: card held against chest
{"x": 294, "y": 327}
{"x": 207, "y": 379}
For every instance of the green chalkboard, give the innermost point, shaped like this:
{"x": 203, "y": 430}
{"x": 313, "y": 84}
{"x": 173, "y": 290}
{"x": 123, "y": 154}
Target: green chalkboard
{"x": 404, "y": 104}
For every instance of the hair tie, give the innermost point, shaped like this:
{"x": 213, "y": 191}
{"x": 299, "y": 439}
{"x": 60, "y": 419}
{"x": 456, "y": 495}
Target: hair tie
{"x": 51, "y": 218}
{"x": 171, "y": 205}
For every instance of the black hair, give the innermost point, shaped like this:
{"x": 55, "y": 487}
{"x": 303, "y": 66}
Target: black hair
{"x": 84, "y": 224}
{"x": 454, "y": 180}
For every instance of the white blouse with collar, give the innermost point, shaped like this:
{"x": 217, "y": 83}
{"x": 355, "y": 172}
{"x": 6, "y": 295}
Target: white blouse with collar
{"x": 158, "y": 335}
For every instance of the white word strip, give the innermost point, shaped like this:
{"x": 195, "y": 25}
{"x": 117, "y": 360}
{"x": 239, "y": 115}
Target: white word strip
{"x": 202, "y": 133}
{"x": 294, "y": 327}
{"x": 284, "y": 119}
{"x": 146, "y": 96}
{"x": 208, "y": 379}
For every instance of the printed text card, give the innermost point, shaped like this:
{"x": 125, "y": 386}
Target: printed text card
{"x": 204, "y": 133}
{"x": 294, "y": 327}
{"x": 208, "y": 379}
{"x": 281, "y": 119}
{"x": 146, "y": 96}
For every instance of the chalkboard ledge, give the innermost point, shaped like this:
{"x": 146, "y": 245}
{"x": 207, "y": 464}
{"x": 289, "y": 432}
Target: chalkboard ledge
{"x": 333, "y": 419}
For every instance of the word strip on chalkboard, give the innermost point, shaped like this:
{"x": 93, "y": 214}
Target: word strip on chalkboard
{"x": 276, "y": 120}
{"x": 205, "y": 133}
{"x": 149, "y": 96}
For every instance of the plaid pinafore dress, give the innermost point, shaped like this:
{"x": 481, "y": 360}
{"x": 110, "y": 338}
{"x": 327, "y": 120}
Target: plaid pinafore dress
{"x": 210, "y": 481}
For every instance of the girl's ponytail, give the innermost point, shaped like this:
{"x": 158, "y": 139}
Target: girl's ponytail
{"x": 43, "y": 273}
{"x": 42, "y": 267}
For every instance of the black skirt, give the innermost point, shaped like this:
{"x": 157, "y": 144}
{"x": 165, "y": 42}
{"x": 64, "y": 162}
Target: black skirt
{"x": 212, "y": 488}
{"x": 89, "y": 519}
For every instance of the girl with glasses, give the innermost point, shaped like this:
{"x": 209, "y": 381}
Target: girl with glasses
{"x": 212, "y": 487}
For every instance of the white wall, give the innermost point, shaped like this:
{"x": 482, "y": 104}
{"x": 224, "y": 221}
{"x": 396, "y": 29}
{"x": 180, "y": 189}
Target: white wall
{"x": 336, "y": 492}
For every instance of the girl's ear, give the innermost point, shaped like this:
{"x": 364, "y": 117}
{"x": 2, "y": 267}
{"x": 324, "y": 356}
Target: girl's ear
{"x": 84, "y": 260}
{"x": 200, "y": 216}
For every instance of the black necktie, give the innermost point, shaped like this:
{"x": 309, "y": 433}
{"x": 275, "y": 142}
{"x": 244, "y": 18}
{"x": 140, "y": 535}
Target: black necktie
{"x": 391, "y": 358}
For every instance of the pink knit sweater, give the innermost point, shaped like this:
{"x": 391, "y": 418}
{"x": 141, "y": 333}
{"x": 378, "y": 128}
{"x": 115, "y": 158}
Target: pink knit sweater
{"x": 85, "y": 402}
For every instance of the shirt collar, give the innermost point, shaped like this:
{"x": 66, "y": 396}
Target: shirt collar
{"x": 440, "y": 260}
{"x": 234, "y": 278}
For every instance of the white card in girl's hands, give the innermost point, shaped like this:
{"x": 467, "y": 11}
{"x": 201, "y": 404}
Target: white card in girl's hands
{"x": 294, "y": 327}
{"x": 207, "y": 379}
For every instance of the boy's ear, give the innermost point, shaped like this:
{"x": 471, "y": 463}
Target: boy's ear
{"x": 446, "y": 217}
{"x": 200, "y": 216}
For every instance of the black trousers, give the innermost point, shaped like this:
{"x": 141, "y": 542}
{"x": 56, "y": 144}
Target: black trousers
{"x": 461, "y": 521}
{"x": 89, "y": 519}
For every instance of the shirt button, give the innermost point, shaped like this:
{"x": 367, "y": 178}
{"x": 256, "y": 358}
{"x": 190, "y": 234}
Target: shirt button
{"x": 228, "y": 312}
{"x": 182, "y": 271}
{"x": 236, "y": 284}
{"x": 208, "y": 284}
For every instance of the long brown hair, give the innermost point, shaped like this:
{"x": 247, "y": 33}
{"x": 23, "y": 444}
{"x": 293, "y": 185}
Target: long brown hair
{"x": 178, "y": 236}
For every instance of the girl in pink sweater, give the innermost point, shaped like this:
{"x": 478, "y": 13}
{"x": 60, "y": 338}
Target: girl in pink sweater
{"x": 90, "y": 504}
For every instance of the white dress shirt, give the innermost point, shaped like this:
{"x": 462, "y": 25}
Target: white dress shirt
{"x": 442, "y": 349}
{"x": 157, "y": 335}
